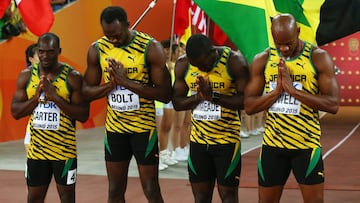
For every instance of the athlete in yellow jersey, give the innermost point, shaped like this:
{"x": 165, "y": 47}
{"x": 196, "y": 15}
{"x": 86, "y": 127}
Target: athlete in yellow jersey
{"x": 299, "y": 81}
{"x": 217, "y": 77}
{"x": 51, "y": 93}
{"x": 132, "y": 66}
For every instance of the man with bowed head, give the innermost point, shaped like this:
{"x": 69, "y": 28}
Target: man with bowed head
{"x": 299, "y": 81}
{"x": 216, "y": 77}
{"x": 133, "y": 68}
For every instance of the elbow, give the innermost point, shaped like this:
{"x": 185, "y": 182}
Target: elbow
{"x": 166, "y": 98}
{"x": 176, "y": 105}
{"x": 83, "y": 117}
{"x": 248, "y": 108}
{"x": 16, "y": 114}
{"x": 334, "y": 109}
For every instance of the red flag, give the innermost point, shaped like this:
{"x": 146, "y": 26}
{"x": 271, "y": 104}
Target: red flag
{"x": 181, "y": 19}
{"x": 4, "y": 4}
{"x": 219, "y": 37}
{"x": 198, "y": 18}
{"x": 37, "y": 15}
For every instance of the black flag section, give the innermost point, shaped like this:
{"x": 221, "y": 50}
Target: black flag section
{"x": 338, "y": 18}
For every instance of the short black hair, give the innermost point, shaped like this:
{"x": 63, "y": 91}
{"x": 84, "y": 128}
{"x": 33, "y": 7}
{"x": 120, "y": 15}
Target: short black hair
{"x": 198, "y": 45}
{"x": 52, "y": 36}
{"x": 30, "y": 52}
{"x": 112, "y": 13}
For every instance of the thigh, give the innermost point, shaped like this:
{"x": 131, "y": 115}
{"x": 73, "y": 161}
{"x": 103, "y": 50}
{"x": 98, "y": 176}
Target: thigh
{"x": 201, "y": 166}
{"x": 274, "y": 166}
{"x": 65, "y": 171}
{"x": 117, "y": 147}
{"x": 38, "y": 172}
{"x": 308, "y": 166}
{"x": 227, "y": 159}
{"x": 145, "y": 148}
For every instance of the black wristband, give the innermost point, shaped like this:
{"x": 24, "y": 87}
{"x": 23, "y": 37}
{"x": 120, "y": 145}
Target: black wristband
{"x": 215, "y": 97}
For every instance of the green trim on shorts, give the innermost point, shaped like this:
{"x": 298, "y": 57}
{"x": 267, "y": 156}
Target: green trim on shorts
{"x": 191, "y": 166}
{"x": 260, "y": 169}
{"x": 235, "y": 159}
{"x": 314, "y": 160}
{"x": 106, "y": 143}
{"x": 68, "y": 164}
{"x": 152, "y": 142}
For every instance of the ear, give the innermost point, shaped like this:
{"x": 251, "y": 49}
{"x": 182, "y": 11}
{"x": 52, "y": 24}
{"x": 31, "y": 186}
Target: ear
{"x": 59, "y": 50}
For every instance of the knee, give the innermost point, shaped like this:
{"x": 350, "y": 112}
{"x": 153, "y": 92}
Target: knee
{"x": 152, "y": 190}
{"x": 116, "y": 192}
{"x": 203, "y": 198}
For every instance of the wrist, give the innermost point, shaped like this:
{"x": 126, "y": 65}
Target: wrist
{"x": 215, "y": 97}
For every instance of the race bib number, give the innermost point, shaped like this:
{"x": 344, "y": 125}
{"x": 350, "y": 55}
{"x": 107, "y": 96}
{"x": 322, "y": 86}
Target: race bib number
{"x": 207, "y": 111}
{"x": 122, "y": 99}
{"x": 46, "y": 116}
{"x": 71, "y": 177}
{"x": 286, "y": 104}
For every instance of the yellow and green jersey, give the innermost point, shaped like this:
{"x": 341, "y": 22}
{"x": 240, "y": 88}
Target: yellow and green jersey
{"x": 127, "y": 112}
{"x": 52, "y": 131}
{"x": 290, "y": 123}
{"x": 211, "y": 123}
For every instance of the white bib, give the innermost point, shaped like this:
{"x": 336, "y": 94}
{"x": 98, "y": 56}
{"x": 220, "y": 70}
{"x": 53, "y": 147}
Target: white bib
{"x": 46, "y": 116}
{"x": 286, "y": 104}
{"x": 122, "y": 99}
{"x": 207, "y": 111}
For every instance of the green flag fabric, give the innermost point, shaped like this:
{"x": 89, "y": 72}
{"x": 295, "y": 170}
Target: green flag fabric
{"x": 245, "y": 22}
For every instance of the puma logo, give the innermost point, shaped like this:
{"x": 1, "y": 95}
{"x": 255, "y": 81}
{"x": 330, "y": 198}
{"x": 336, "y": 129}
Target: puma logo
{"x": 320, "y": 173}
{"x": 301, "y": 65}
{"x": 131, "y": 58}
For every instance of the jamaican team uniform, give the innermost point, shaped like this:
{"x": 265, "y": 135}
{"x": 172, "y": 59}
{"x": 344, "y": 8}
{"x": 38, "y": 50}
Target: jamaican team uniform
{"x": 53, "y": 141}
{"x": 292, "y": 131}
{"x": 215, "y": 134}
{"x": 130, "y": 120}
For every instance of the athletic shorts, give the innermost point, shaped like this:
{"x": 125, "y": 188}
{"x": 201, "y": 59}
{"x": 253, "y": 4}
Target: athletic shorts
{"x": 159, "y": 108}
{"x": 275, "y": 165}
{"x": 40, "y": 172}
{"x": 209, "y": 162}
{"x": 27, "y": 138}
{"x": 121, "y": 147}
{"x": 168, "y": 105}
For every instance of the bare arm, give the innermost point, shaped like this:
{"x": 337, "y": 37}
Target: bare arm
{"x": 180, "y": 90}
{"x": 239, "y": 69}
{"x": 77, "y": 108}
{"x": 21, "y": 106}
{"x": 160, "y": 89}
{"x": 255, "y": 101}
{"x": 92, "y": 89}
{"x": 328, "y": 97}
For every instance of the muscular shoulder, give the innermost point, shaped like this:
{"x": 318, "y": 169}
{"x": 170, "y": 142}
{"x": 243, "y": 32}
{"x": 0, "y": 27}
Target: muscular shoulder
{"x": 181, "y": 65}
{"x": 75, "y": 79}
{"x": 321, "y": 59}
{"x": 262, "y": 57}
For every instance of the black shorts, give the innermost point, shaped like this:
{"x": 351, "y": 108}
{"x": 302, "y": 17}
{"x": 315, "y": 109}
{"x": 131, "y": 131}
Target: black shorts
{"x": 275, "y": 165}
{"x": 121, "y": 147}
{"x": 209, "y": 162}
{"x": 39, "y": 172}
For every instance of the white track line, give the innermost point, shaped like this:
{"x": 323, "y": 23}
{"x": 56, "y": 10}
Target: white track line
{"x": 342, "y": 141}
{"x": 326, "y": 154}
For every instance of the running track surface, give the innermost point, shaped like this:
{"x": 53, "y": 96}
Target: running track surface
{"x": 341, "y": 151}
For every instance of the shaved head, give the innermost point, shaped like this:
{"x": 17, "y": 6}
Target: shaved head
{"x": 285, "y": 33}
{"x": 284, "y": 23}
